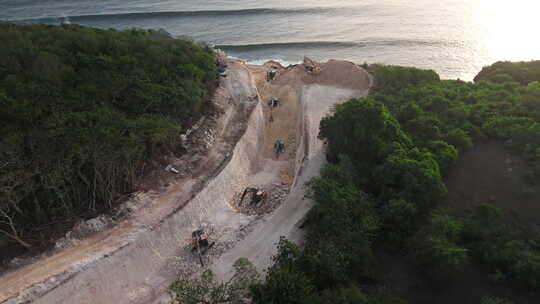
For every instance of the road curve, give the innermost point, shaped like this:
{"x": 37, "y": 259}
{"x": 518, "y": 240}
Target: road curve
{"x": 136, "y": 259}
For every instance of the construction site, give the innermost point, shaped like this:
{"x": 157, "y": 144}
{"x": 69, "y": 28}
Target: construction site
{"x": 239, "y": 189}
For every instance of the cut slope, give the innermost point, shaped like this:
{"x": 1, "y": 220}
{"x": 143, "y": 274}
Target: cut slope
{"x": 315, "y": 101}
{"x": 136, "y": 261}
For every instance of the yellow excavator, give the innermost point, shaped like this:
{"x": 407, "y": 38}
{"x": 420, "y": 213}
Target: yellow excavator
{"x": 311, "y": 66}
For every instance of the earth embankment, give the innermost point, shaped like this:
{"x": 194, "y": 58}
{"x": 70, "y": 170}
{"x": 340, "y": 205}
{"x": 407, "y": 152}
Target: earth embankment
{"x": 314, "y": 97}
{"x": 136, "y": 261}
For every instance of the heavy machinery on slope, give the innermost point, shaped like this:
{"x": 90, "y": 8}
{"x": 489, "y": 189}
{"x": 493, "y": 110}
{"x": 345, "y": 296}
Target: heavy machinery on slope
{"x": 311, "y": 66}
{"x": 200, "y": 243}
{"x": 257, "y": 195}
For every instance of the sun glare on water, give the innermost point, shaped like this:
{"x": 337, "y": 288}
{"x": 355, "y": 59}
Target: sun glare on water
{"x": 511, "y": 29}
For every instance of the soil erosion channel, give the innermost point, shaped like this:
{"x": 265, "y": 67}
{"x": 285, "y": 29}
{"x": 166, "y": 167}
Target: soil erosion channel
{"x": 136, "y": 261}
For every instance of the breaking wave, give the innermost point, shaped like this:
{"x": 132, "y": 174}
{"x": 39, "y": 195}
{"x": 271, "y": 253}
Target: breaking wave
{"x": 196, "y": 13}
{"x": 327, "y": 44}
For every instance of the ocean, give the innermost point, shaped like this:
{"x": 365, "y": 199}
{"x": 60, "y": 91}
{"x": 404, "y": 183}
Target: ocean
{"x": 453, "y": 37}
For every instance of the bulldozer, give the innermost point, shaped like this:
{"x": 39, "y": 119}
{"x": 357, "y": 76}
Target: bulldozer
{"x": 311, "y": 66}
{"x": 200, "y": 243}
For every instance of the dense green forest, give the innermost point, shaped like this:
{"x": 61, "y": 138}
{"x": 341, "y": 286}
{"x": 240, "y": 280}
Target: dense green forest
{"x": 81, "y": 111}
{"x": 505, "y": 71}
{"x": 383, "y": 191}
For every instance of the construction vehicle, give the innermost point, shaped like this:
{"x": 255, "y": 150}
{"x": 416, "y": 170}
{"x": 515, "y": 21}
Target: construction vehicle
{"x": 257, "y": 195}
{"x": 273, "y": 102}
{"x": 279, "y": 147}
{"x": 311, "y": 66}
{"x": 271, "y": 75}
{"x": 200, "y": 243}
{"x": 222, "y": 72}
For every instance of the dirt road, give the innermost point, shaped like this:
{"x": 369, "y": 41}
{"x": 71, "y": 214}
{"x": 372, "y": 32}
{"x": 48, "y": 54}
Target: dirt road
{"x": 135, "y": 261}
{"x": 129, "y": 263}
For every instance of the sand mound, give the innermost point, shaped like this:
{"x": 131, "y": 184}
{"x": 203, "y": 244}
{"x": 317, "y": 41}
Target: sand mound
{"x": 335, "y": 73}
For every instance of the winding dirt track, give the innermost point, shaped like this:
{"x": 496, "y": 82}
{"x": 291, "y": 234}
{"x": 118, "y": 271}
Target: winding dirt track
{"x": 135, "y": 261}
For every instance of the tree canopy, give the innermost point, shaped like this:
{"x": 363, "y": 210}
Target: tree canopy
{"x": 384, "y": 186}
{"x": 506, "y": 71}
{"x": 82, "y": 110}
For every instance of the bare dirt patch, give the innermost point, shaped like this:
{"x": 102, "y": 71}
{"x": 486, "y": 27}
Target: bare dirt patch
{"x": 302, "y": 107}
{"x": 405, "y": 279}
{"x": 334, "y": 73}
{"x": 489, "y": 173}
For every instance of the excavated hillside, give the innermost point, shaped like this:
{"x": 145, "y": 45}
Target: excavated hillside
{"x": 137, "y": 259}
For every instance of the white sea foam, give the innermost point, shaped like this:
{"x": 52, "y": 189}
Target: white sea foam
{"x": 261, "y": 61}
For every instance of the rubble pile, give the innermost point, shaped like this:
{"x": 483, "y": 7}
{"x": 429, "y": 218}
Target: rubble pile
{"x": 200, "y": 138}
{"x": 135, "y": 202}
{"x": 203, "y": 138}
{"x": 84, "y": 229}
